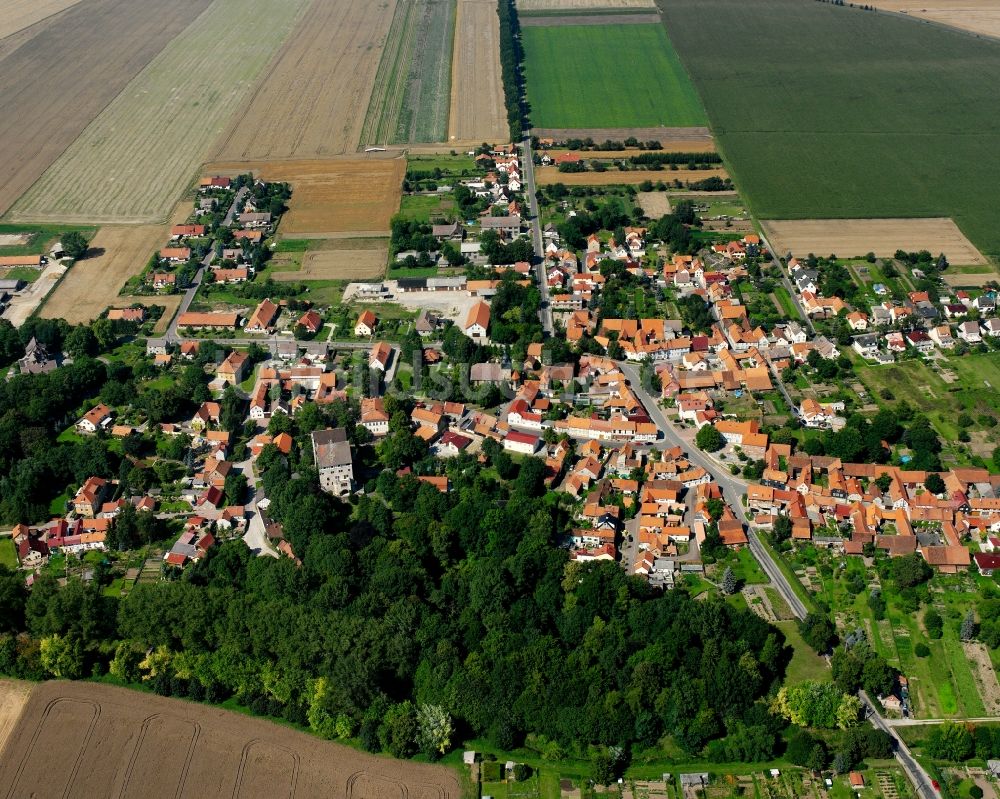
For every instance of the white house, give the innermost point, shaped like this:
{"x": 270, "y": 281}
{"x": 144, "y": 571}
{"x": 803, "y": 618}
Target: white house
{"x": 97, "y": 418}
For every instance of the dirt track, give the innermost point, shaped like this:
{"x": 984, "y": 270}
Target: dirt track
{"x": 92, "y": 284}
{"x": 91, "y": 740}
{"x": 21, "y": 14}
{"x": 354, "y": 195}
{"x": 55, "y": 83}
{"x": 547, "y": 175}
{"x": 850, "y": 237}
{"x": 979, "y": 16}
{"x": 314, "y": 95}
{"x": 477, "y": 99}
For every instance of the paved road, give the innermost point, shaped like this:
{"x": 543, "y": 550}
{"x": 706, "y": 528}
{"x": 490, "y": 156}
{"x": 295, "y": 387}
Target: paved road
{"x": 920, "y": 779}
{"x": 787, "y": 283}
{"x": 536, "y": 234}
{"x": 733, "y": 488}
{"x": 189, "y": 295}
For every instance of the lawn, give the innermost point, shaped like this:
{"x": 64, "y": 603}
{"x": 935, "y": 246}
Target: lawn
{"x": 8, "y": 555}
{"x": 424, "y": 207}
{"x": 607, "y": 76}
{"x": 785, "y": 301}
{"x": 42, "y": 237}
{"x": 805, "y": 663}
{"x": 904, "y": 126}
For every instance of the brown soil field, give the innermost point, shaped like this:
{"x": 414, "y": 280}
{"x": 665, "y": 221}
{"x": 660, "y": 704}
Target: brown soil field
{"x": 115, "y": 742}
{"x": 357, "y": 195}
{"x": 477, "y": 98}
{"x": 314, "y": 94}
{"x": 92, "y": 284}
{"x": 21, "y": 14}
{"x": 970, "y": 280}
{"x": 850, "y": 237}
{"x": 984, "y": 675}
{"x": 346, "y": 264}
{"x": 978, "y": 16}
{"x": 547, "y": 175}
{"x": 568, "y": 5}
{"x": 654, "y": 203}
{"x": 590, "y": 19}
{"x": 13, "y": 697}
{"x": 57, "y": 82}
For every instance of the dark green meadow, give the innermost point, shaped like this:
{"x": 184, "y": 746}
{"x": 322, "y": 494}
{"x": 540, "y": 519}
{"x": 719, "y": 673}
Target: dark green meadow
{"x": 831, "y": 111}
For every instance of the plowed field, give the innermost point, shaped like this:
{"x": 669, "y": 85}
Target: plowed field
{"x": 313, "y": 99}
{"x": 134, "y": 161}
{"x": 349, "y": 195}
{"x": 21, "y": 14}
{"x": 477, "y": 98}
{"x": 116, "y": 742}
{"x": 572, "y": 5}
{"x": 57, "y": 82}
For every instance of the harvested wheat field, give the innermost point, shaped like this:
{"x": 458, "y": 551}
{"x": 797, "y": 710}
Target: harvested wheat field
{"x": 315, "y": 92}
{"x": 654, "y": 204}
{"x": 92, "y": 284}
{"x": 116, "y": 742}
{"x": 21, "y": 14}
{"x": 57, "y": 82}
{"x": 134, "y": 161}
{"x": 477, "y": 99}
{"x": 978, "y": 16}
{"x": 851, "y": 237}
{"x": 13, "y": 697}
{"x": 353, "y": 195}
{"x": 346, "y": 264}
{"x": 572, "y": 5}
{"x": 548, "y": 175}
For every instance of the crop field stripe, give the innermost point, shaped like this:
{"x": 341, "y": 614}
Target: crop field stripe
{"x": 905, "y": 127}
{"x": 48, "y": 100}
{"x": 587, "y": 75}
{"x": 135, "y": 159}
{"x": 409, "y": 100}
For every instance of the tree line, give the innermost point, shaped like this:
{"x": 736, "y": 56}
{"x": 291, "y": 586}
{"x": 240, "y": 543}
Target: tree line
{"x": 511, "y": 58}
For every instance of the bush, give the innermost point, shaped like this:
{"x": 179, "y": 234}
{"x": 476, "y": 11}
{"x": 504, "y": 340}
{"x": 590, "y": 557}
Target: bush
{"x": 492, "y": 771}
{"x": 921, "y": 650}
{"x": 976, "y": 792}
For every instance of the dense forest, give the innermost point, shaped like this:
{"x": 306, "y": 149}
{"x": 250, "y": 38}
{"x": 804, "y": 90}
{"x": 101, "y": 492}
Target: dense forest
{"x": 413, "y": 602}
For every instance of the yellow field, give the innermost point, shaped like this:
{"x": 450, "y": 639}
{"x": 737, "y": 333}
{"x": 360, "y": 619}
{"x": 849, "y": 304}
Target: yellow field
{"x": 477, "y": 98}
{"x": 92, "y": 284}
{"x": 136, "y": 158}
{"x": 313, "y": 98}
{"x": 340, "y": 265}
{"x": 13, "y": 697}
{"x": 21, "y": 14}
{"x": 979, "y": 16}
{"x": 851, "y": 237}
{"x": 548, "y": 175}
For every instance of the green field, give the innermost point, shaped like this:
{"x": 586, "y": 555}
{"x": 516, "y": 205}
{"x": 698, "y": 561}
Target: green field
{"x": 864, "y": 114}
{"x": 42, "y": 237}
{"x": 606, "y": 76}
{"x": 423, "y": 207}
